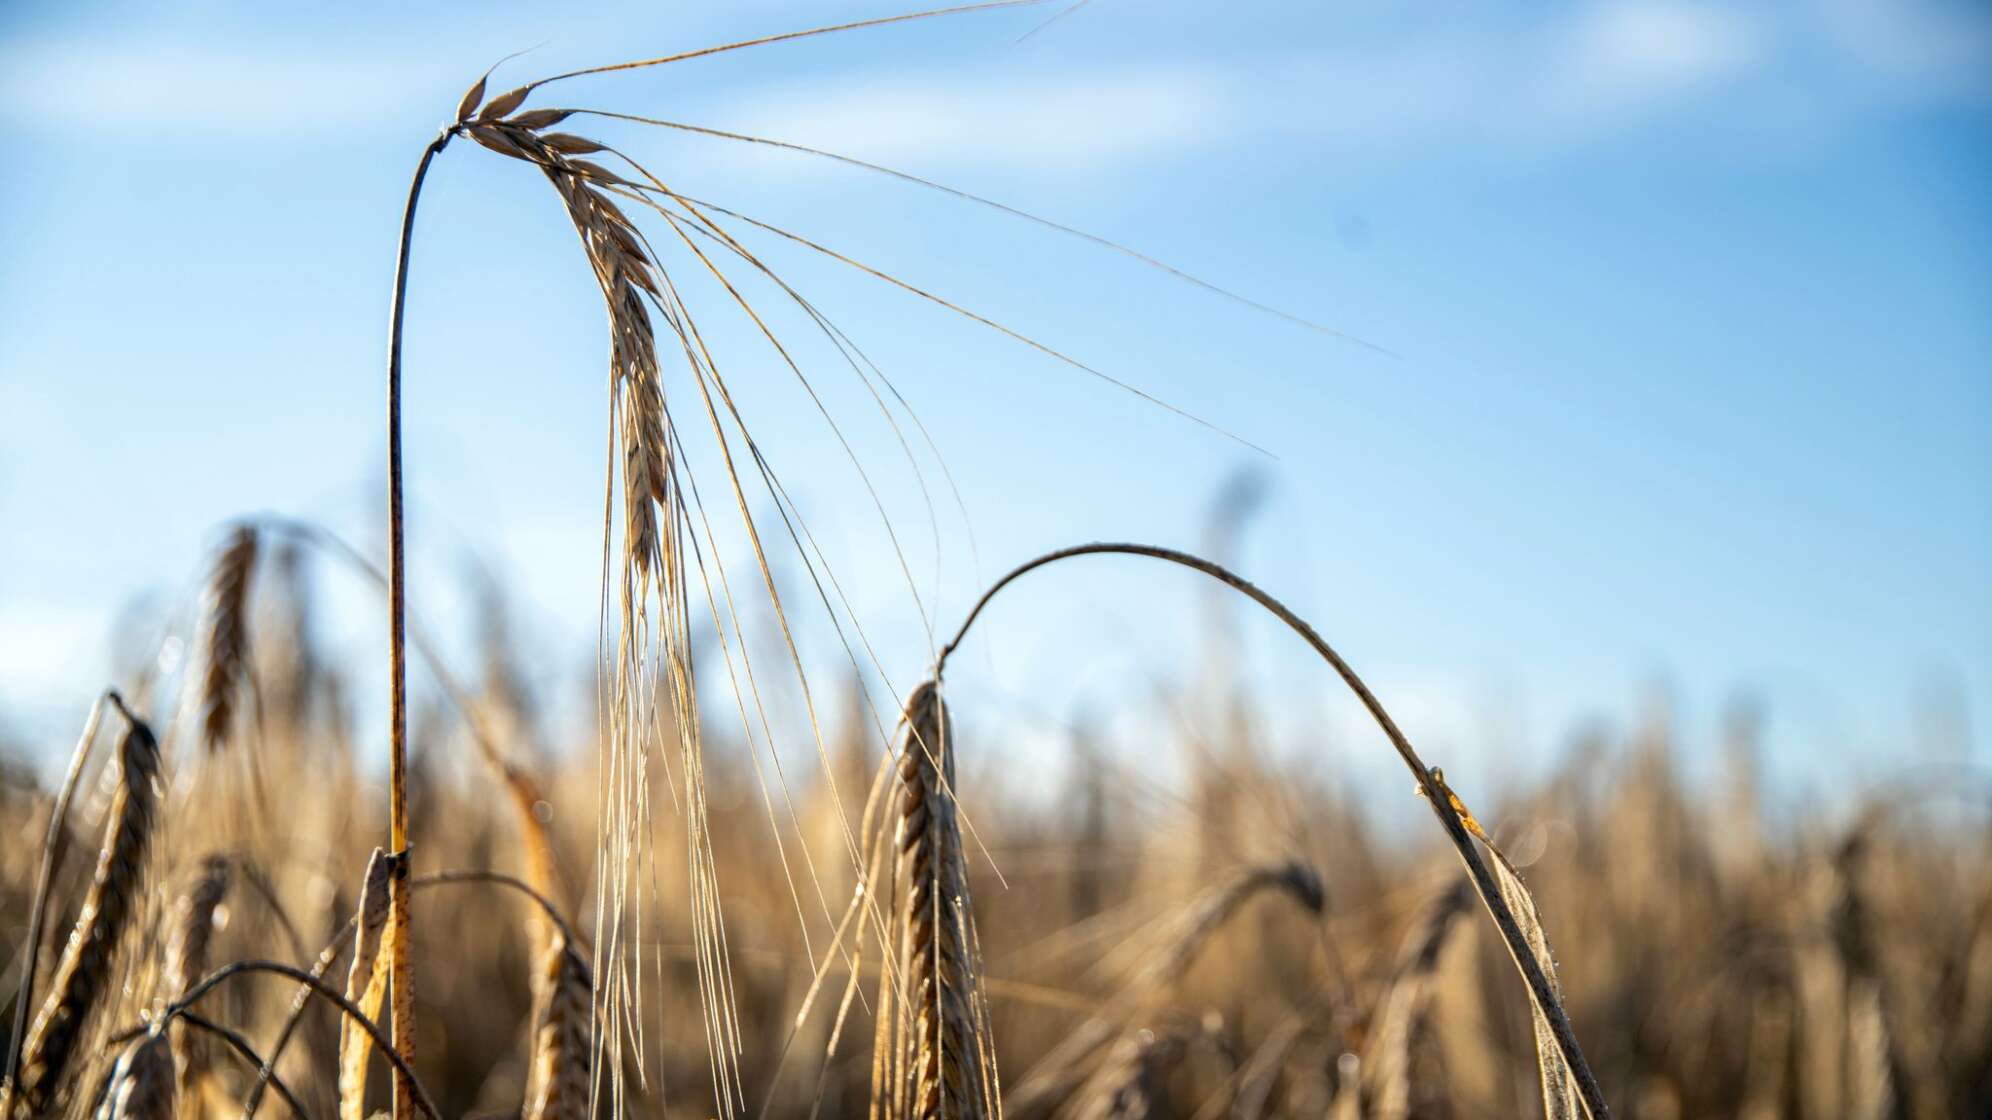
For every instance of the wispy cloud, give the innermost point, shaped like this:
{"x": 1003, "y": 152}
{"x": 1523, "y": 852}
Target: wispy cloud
{"x": 1047, "y": 121}
{"x": 1587, "y": 73}
{"x": 199, "y": 89}
{"x": 1538, "y": 82}
{"x": 1919, "y": 44}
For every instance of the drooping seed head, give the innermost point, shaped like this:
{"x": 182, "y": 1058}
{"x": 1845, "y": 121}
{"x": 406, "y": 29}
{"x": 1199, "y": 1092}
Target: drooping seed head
{"x": 224, "y": 642}
{"x": 190, "y": 930}
{"x": 82, "y": 982}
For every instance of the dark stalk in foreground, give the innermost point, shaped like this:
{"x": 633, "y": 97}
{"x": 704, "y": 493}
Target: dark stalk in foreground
{"x": 403, "y": 997}
{"x": 1444, "y": 805}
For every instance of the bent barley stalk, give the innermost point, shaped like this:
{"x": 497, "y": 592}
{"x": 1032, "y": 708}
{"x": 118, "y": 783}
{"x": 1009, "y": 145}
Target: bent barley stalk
{"x": 83, "y": 977}
{"x": 418, "y": 1094}
{"x": 1568, "y": 1070}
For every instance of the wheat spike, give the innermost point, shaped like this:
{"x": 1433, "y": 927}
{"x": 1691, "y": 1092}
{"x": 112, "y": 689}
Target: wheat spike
{"x": 224, "y": 643}
{"x": 189, "y": 933}
{"x": 141, "y": 1085}
{"x": 941, "y": 1065}
{"x": 562, "y": 1073}
{"x": 83, "y": 977}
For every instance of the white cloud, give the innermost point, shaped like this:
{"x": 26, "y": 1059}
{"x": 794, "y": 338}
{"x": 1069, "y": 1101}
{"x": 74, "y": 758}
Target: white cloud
{"x": 199, "y": 89}
{"x": 1617, "y": 65}
{"x": 1653, "y": 48}
{"x": 1544, "y": 84}
{"x": 1918, "y": 43}
{"x": 1047, "y": 122}
{"x": 1586, "y": 70}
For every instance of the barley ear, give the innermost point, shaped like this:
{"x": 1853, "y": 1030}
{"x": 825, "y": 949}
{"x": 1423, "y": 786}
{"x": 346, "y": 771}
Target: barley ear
{"x": 562, "y": 1072}
{"x": 1561, "y": 1099}
{"x": 1403, "y": 1019}
{"x": 224, "y": 641}
{"x": 366, "y": 985}
{"x": 1216, "y": 906}
{"x": 141, "y": 1085}
{"x": 188, "y": 937}
{"x": 83, "y": 979}
{"x": 945, "y": 1067}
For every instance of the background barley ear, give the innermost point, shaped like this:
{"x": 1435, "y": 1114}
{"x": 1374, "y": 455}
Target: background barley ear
{"x": 141, "y": 1085}
{"x": 1195, "y": 927}
{"x": 1399, "y": 1043}
{"x": 224, "y": 637}
{"x": 1081, "y": 1067}
{"x": 561, "y": 1077}
{"x": 941, "y": 1063}
{"x": 84, "y": 977}
{"x": 1562, "y": 1098}
{"x": 1133, "y": 1083}
{"x": 189, "y": 934}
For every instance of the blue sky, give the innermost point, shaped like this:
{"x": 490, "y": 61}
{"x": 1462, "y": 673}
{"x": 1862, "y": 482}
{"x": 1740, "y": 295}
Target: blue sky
{"x": 1689, "y": 383}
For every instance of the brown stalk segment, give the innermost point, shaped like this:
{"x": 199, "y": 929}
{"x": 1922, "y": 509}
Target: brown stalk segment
{"x": 562, "y": 1073}
{"x": 366, "y": 984}
{"x": 943, "y": 1060}
{"x": 225, "y": 636}
{"x": 141, "y": 1085}
{"x": 83, "y": 977}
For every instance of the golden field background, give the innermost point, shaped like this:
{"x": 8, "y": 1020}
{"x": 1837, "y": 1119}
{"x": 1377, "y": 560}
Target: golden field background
{"x": 1187, "y": 930}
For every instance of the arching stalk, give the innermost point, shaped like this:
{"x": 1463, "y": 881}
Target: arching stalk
{"x": 1452, "y": 815}
{"x": 398, "y": 923}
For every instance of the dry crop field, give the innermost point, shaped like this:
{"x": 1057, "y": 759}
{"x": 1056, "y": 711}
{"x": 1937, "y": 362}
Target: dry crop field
{"x": 224, "y": 908}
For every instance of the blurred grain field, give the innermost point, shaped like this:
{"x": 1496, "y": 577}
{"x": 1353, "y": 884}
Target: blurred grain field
{"x": 1253, "y": 944}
